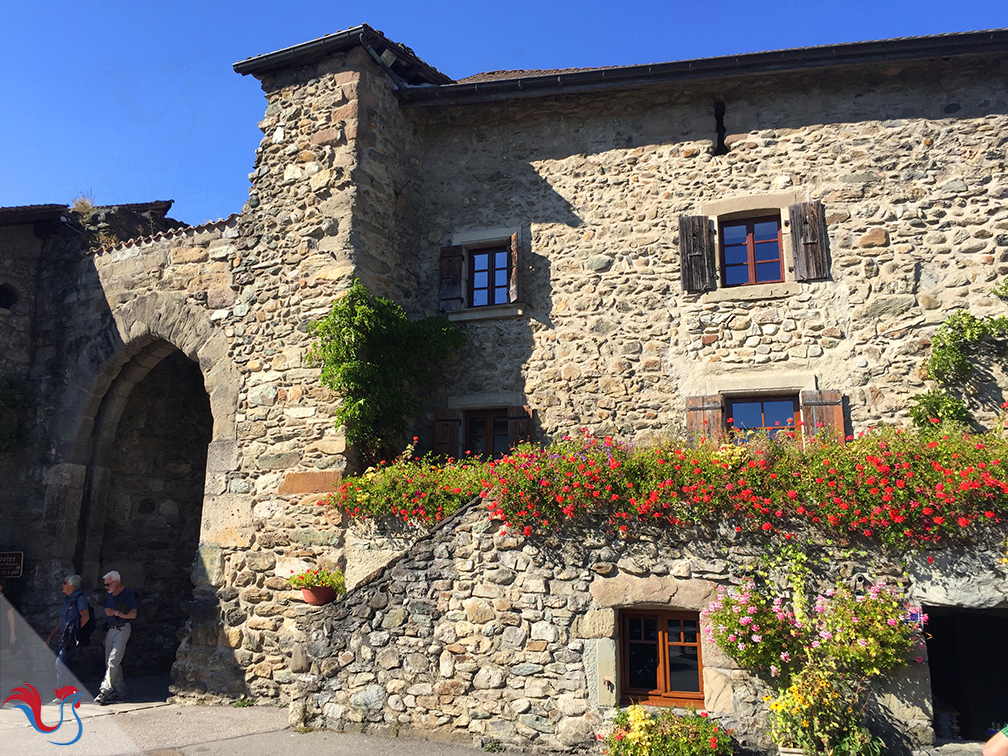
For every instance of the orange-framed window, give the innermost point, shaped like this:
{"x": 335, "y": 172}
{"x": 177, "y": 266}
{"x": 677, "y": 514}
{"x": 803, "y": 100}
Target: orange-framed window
{"x": 661, "y": 658}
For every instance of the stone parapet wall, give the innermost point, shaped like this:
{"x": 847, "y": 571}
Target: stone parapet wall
{"x": 909, "y": 166}
{"x": 481, "y": 636}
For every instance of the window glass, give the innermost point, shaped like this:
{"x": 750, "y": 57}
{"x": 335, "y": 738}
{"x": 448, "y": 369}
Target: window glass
{"x": 487, "y": 432}
{"x": 751, "y": 252}
{"x": 683, "y": 669}
{"x": 771, "y": 415}
{"x": 489, "y": 277}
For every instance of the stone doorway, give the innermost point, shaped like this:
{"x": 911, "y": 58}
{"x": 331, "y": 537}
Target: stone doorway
{"x": 968, "y": 659}
{"x": 144, "y": 496}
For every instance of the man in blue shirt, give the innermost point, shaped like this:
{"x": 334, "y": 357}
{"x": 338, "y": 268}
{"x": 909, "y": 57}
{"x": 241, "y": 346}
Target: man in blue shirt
{"x": 120, "y": 608}
{"x": 73, "y": 614}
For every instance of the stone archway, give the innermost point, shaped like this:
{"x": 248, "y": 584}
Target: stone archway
{"x": 150, "y": 400}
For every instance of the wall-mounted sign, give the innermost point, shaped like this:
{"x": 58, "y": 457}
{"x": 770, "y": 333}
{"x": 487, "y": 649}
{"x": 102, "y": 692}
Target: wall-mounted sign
{"x": 10, "y": 563}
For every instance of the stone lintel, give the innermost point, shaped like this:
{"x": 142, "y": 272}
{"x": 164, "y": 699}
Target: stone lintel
{"x": 323, "y": 481}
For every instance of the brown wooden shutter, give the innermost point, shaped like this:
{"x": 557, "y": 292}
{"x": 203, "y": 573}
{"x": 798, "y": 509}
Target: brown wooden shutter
{"x": 450, "y": 289}
{"x": 705, "y": 416}
{"x": 808, "y": 241}
{"x": 513, "y": 289}
{"x": 696, "y": 253}
{"x": 822, "y": 411}
{"x": 447, "y": 426}
{"x": 519, "y": 425}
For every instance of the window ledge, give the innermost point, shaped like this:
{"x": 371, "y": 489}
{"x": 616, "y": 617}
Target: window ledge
{"x": 751, "y": 293}
{"x": 513, "y": 310}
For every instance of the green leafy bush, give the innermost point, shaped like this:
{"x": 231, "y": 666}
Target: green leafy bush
{"x": 646, "y": 732}
{"x": 375, "y": 358}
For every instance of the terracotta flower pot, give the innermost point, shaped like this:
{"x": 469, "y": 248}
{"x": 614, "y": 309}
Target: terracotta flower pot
{"x": 318, "y": 595}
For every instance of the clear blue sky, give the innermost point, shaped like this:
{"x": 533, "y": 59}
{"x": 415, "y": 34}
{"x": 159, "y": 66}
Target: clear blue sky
{"x": 136, "y": 101}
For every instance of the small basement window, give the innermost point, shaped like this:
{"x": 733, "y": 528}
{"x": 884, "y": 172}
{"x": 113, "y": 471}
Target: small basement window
{"x": 8, "y": 297}
{"x": 661, "y": 658}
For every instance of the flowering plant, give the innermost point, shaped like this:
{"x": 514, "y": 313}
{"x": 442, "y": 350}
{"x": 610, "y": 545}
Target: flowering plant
{"x": 821, "y": 713}
{"x": 418, "y": 491}
{"x": 642, "y": 732}
{"x": 818, "y": 656}
{"x": 319, "y": 578}
{"x": 905, "y": 489}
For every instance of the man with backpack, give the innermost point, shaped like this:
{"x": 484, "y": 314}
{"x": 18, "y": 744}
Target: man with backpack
{"x": 120, "y": 608}
{"x": 74, "y": 614}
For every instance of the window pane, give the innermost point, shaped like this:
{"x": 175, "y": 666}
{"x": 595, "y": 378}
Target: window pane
{"x": 746, "y": 415}
{"x": 778, "y": 412}
{"x": 735, "y": 255}
{"x": 501, "y": 261}
{"x": 500, "y": 435}
{"x": 684, "y": 669}
{"x": 643, "y": 663}
{"x": 480, "y": 261}
{"x": 765, "y": 230}
{"x": 634, "y": 628}
{"x": 674, "y": 630}
{"x": 733, "y": 234}
{"x": 500, "y": 278}
{"x": 500, "y": 296}
{"x": 736, "y": 275}
{"x": 767, "y": 251}
{"x": 479, "y": 298}
{"x": 650, "y": 628}
{"x": 480, "y": 280}
{"x": 689, "y": 631}
{"x": 768, "y": 272}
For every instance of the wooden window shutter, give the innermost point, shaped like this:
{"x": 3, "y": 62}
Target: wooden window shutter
{"x": 705, "y": 416}
{"x": 696, "y": 253}
{"x": 450, "y": 287}
{"x": 808, "y": 241}
{"x": 513, "y": 290}
{"x": 519, "y": 425}
{"x": 447, "y": 426}
{"x": 822, "y": 411}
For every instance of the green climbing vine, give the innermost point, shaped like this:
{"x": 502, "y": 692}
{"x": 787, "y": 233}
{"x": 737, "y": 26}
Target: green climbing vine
{"x": 961, "y": 342}
{"x": 376, "y": 358}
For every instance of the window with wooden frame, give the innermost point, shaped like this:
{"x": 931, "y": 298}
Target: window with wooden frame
{"x": 479, "y": 275}
{"x": 661, "y": 660}
{"x": 747, "y": 255}
{"x": 486, "y": 433}
{"x": 768, "y": 415}
{"x": 483, "y": 432}
{"x": 814, "y": 412}
{"x": 752, "y": 251}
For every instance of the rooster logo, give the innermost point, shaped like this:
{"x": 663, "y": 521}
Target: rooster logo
{"x": 31, "y": 705}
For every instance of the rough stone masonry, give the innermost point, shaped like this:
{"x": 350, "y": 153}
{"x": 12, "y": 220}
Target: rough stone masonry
{"x": 370, "y": 164}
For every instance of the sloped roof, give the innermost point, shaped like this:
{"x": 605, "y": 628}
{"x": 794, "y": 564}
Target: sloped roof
{"x": 499, "y": 85}
{"x": 23, "y": 214}
{"x": 397, "y": 59}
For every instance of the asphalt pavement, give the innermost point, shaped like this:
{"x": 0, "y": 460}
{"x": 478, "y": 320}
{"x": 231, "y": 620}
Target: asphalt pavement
{"x": 148, "y": 725}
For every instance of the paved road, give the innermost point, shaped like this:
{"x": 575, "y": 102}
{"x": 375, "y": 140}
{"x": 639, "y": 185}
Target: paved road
{"x": 159, "y": 729}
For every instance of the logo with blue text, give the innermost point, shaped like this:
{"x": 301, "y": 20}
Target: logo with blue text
{"x": 30, "y": 702}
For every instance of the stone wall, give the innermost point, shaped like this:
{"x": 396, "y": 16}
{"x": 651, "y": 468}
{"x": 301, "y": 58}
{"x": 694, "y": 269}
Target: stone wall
{"x": 476, "y": 635}
{"x": 910, "y": 167}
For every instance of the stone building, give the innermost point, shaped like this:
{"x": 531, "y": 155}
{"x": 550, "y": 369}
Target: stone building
{"x": 638, "y": 250}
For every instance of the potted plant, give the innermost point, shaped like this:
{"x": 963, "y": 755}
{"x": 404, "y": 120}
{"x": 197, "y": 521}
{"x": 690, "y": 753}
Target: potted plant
{"x": 319, "y": 586}
{"x": 637, "y": 731}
